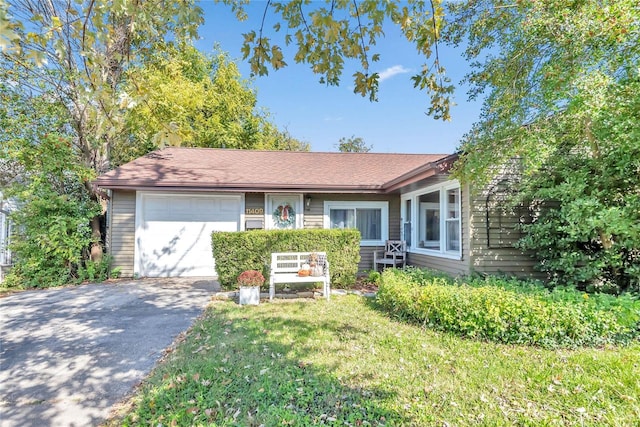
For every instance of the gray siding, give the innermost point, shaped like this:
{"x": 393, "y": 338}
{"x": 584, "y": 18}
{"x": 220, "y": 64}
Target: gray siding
{"x": 314, "y": 218}
{"x": 254, "y": 201}
{"x": 314, "y": 214}
{"x": 494, "y": 231}
{"x": 121, "y": 240}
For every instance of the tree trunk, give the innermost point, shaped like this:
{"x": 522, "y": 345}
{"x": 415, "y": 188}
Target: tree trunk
{"x": 97, "y": 249}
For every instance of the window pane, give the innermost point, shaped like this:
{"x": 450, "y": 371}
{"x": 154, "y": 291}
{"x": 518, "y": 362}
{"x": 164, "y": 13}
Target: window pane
{"x": 369, "y": 222}
{"x": 453, "y": 203}
{"x": 342, "y": 218}
{"x": 407, "y": 223}
{"x": 453, "y": 219}
{"x": 453, "y": 235}
{"x": 429, "y": 221}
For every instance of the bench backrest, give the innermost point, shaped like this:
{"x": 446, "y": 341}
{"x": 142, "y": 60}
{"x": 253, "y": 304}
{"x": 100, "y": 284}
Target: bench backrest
{"x": 291, "y": 262}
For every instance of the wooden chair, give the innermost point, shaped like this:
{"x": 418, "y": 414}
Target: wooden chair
{"x": 394, "y": 255}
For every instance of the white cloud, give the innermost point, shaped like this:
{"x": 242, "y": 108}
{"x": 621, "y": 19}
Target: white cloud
{"x": 392, "y": 71}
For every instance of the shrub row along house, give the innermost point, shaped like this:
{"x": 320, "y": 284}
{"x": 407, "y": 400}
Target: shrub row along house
{"x": 164, "y": 206}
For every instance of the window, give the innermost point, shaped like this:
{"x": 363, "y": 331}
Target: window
{"x": 452, "y": 220}
{"x": 429, "y": 217}
{"x": 436, "y": 225}
{"x": 370, "y": 218}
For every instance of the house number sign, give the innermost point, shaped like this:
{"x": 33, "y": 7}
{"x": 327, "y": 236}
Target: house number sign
{"x": 254, "y": 211}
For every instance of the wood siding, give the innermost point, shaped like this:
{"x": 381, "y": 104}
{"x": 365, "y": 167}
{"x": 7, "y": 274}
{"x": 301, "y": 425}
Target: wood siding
{"x": 494, "y": 230}
{"x": 121, "y": 241}
{"x": 254, "y": 201}
{"x": 476, "y": 256}
{"x": 314, "y": 218}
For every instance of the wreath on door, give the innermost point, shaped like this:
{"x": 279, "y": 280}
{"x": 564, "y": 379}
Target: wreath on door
{"x": 284, "y": 215}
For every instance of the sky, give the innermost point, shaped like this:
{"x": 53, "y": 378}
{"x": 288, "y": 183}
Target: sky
{"x": 321, "y": 115}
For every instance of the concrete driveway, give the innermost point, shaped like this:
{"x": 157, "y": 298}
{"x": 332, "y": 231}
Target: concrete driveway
{"x": 68, "y": 354}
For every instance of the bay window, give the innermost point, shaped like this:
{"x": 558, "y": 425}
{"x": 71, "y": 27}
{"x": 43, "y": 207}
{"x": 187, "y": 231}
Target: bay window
{"x": 432, "y": 220}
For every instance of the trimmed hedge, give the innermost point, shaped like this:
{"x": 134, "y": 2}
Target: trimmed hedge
{"x": 508, "y": 310}
{"x": 238, "y": 251}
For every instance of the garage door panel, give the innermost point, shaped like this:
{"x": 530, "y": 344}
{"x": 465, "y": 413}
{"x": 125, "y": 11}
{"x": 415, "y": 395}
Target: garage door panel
{"x": 175, "y": 234}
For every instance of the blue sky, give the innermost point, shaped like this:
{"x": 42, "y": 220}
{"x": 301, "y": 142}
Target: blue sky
{"x": 321, "y": 115}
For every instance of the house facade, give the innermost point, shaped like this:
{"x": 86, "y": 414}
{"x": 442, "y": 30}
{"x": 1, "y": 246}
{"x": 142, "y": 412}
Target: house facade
{"x": 164, "y": 206}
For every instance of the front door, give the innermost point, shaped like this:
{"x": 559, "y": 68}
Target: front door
{"x": 283, "y": 211}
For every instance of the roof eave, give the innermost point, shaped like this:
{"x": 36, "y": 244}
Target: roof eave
{"x": 422, "y": 172}
{"x": 169, "y": 186}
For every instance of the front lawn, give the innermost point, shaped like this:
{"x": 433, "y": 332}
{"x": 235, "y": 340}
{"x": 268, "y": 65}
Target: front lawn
{"x": 344, "y": 362}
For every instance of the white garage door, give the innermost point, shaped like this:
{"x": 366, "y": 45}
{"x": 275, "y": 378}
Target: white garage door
{"x": 173, "y": 233}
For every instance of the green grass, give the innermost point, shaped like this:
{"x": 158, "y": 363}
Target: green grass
{"x": 344, "y": 362}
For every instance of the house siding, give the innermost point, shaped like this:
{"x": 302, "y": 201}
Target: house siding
{"x": 122, "y": 211}
{"x": 497, "y": 255}
{"x": 494, "y": 231}
{"x": 121, "y": 234}
{"x": 314, "y": 218}
{"x": 254, "y": 202}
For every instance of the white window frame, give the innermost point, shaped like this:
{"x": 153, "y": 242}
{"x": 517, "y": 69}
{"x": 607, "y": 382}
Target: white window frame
{"x": 384, "y": 217}
{"x": 414, "y": 196}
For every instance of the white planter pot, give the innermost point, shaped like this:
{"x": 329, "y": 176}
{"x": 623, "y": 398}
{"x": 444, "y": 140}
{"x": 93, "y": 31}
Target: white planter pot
{"x": 249, "y": 295}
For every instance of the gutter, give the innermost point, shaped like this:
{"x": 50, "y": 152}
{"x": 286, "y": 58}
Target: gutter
{"x": 246, "y": 188}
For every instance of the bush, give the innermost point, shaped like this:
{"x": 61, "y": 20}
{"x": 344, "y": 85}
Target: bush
{"x": 508, "y": 310}
{"x": 373, "y": 277}
{"x": 588, "y": 235}
{"x": 236, "y": 252}
{"x": 52, "y": 231}
{"x": 97, "y": 271}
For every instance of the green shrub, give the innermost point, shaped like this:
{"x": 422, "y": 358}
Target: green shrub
{"x": 373, "y": 277}
{"x": 236, "y": 252}
{"x": 52, "y": 231}
{"x": 588, "y": 234}
{"x": 508, "y": 310}
{"x": 97, "y": 271}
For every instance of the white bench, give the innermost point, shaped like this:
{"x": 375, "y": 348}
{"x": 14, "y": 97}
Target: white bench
{"x": 285, "y": 267}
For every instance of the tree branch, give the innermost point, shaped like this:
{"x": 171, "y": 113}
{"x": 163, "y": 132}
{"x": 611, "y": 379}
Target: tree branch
{"x": 364, "y": 51}
{"x": 264, "y": 17}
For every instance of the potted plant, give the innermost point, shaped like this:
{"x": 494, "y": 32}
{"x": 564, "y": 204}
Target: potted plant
{"x": 249, "y": 283}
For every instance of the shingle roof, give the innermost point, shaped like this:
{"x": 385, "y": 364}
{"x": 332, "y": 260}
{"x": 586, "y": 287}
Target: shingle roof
{"x": 225, "y": 169}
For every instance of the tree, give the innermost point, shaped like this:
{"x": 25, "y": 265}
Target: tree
{"x": 561, "y": 84}
{"x": 96, "y": 66}
{"x": 52, "y": 232}
{"x": 590, "y": 236}
{"x": 353, "y": 145}
{"x": 326, "y": 35}
{"x": 182, "y": 97}
{"x": 77, "y": 54}
{"x": 531, "y": 59}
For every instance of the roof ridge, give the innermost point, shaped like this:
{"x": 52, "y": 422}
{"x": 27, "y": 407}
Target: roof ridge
{"x": 298, "y": 152}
